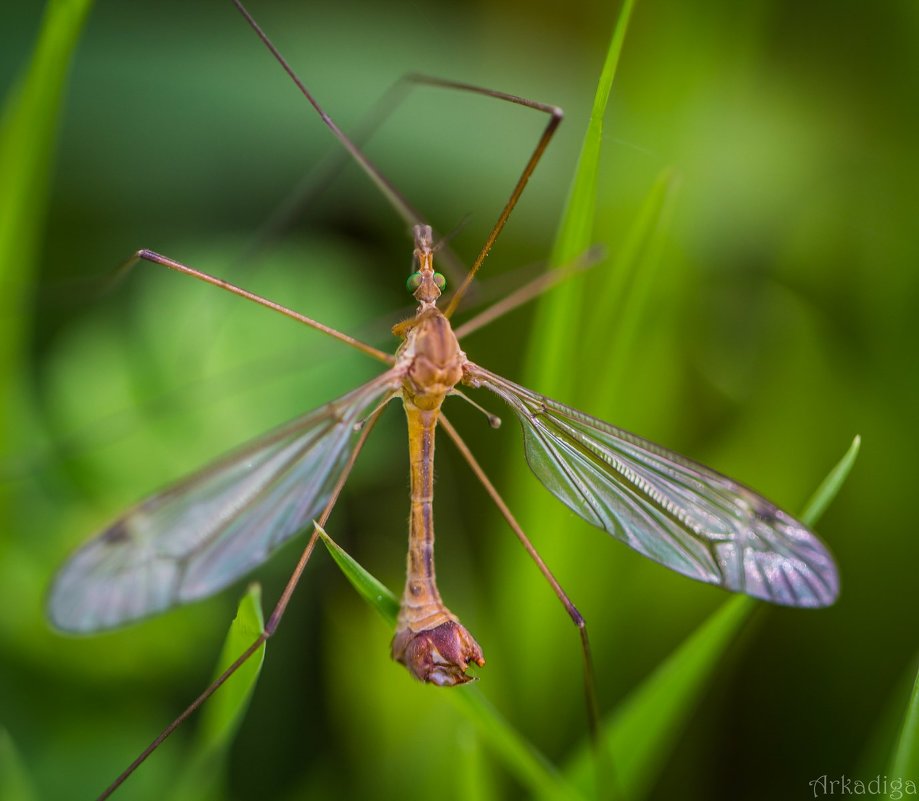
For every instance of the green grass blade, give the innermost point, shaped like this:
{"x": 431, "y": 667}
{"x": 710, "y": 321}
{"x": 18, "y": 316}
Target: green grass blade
{"x": 368, "y": 586}
{"x": 476, "y": 778}
{"x": 223, "y": 713}
{"x": 15, "y": 784}
{"x": 877, "y": 750}
{"x": 521, "y": 758}
{"x": 645, "y": 727}
{"x": 28, "y": 130}
{"x": 517, "y": 754}
{"x": 627, "y": 286}
{"x": 548, "y": 354}
{"x": 905, "y": 762}
{"x": 642, "y": 731}
{"x": 576, "y": 227}
{"x": 830, "y": 486}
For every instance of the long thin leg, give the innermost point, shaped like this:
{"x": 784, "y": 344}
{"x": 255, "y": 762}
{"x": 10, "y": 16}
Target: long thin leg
{"x": 555, "y": 118}
{"x": 395, "y": 197}
{"x": 156, "y": 258}
{"x": 323, "y": 173}
{"x": 270, "y": 627}
{"x": 606, "y": 778}
{"x": 392, "y": 194}
{"x": 576, "y": 617}
{"x": 527, "y": 292}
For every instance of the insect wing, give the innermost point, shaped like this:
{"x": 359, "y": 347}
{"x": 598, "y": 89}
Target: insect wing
{"x": 667, "y": 507}
{"x": 196, "y": 537}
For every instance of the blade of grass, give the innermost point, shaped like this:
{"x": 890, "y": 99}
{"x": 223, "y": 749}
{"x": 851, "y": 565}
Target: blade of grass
{"x": 905, "y": 761}
{"x": 520, "y": 757}
{"x": 878, "y": 751}
{"x": 577, "y": 223}
{"x": 642, "y": 731}
{"x": 15, "y": 784}
{"x": 28, "y": 129}
{"x": 628, "y": 285}
{"x": 548, "y": 355}
{"x": 645, "y": 727}
{"x": 830, "y": 486}
{"x": 557, "y": 350}
{"x": 557, "y": 343}
{"x": 368, "y": 586}
{"x": 476, "y": 778}
{"x": 222, "y": 715}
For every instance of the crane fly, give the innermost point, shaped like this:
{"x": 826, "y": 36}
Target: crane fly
{"x": 191, "y": 540}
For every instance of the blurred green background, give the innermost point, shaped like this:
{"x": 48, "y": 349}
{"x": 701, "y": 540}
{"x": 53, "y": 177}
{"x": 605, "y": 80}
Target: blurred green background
{"x": 781, "y": 322}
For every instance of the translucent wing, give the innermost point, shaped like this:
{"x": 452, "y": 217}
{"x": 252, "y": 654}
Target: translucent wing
{"x": 669, "y": 508}
{"x": 194, "y": 538}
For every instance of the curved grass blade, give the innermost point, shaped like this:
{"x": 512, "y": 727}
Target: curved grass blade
{"x": 15, "y": 784}
{"x": 905, "y": 762}
{"x": 518, "y": 755}
{"x": 642, "y": 731}
{"x": 368, "y": 586}
{"x": 27, "y": 139}
{"x": 830, "y": 486}
{"x": 220, "y": 718}
{"x": 878, "y": 750}
{"x": 547, "y": 354}
{"x": 576, "y": 227}
{"x": 628, "y": 283}
{"x": 475, "y": 775}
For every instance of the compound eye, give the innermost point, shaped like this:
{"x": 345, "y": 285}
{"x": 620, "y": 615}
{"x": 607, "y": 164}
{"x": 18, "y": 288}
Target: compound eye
{"x": 439, "y": 281}
{"x": 413, "y": 282}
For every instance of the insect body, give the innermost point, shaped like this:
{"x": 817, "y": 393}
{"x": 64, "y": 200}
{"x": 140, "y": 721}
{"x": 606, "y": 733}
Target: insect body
{"x": 429, "y": 640}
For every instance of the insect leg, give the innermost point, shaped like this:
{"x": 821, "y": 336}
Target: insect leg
{"x": 270, "y": 627}
{"x": 392, "y": 194}
{"x": 528, "y": 291}
{"x": 555, "y": 118}
{"x": 155, "y": 258}
{"x": 576, "y": 617}
{"x": 607, "y": 784}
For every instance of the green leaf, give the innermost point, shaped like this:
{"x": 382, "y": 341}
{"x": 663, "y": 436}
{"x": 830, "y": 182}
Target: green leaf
{"x": 560, "y": 345}
{"x": 223, "y": 712}
{"x": 28, "y": 131}
{"x": 830, "y": 486}
{"x": 905, "y": 761}
{"x": 476, "y": 779}
{"x": 368, "y": 586}
{"x": 627, "y": 285}
{"x": 222, "y": 715}
{"x": 15, "y": 784}
{"x": 878, "y": 751}
{"x": 560, "y": 311}
{"x": 577, "y": 223}
{"x": 519, "y": 756}
{"x": 645, "y": 727}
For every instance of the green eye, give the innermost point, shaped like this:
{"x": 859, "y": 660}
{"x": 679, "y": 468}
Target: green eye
{"x": 414, "y": 281}
{"x": 439, "y": 281}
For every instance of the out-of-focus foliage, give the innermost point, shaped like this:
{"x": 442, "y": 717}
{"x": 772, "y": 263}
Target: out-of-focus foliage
{"x": 780, "y": 322}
